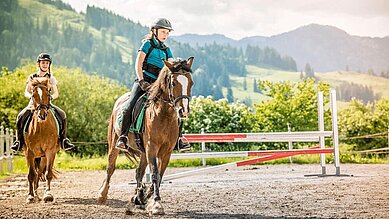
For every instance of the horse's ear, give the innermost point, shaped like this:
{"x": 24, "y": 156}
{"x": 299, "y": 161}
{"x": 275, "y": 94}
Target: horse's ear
{"x": 167, "y": 63}
{"x": 190, "y": 61}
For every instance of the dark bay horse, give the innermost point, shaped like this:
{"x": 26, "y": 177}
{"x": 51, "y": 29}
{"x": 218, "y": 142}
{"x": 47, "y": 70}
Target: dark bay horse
{"x": 41, "y": 140}
{"x": 168, "y": 100}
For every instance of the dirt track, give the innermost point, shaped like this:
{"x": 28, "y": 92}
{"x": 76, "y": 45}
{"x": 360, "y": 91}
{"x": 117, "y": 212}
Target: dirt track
{"x": 280, "y": 191}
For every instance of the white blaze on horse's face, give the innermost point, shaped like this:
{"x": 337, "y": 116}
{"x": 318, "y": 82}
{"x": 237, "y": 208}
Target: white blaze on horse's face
{"x": 183, "y": 80}
{"x": 40, "y": 92}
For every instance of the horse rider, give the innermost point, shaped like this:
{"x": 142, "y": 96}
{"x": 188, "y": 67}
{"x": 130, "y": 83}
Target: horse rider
{"x": 43, "y": 62}
{"x": 148, "y": 65}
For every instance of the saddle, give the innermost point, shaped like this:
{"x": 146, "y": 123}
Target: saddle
{"x": 137, "y": 120}
{"x": 56, "y": 116}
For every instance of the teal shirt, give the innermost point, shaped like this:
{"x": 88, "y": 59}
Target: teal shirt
{"x": 156, "y": 55}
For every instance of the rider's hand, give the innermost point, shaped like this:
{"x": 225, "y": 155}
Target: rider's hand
{"x": 144, "y": 85}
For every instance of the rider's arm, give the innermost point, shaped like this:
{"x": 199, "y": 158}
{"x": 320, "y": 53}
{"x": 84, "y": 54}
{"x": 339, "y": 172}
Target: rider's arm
{"x": 54, "y": 88}
{"x": 140, "y": 58}
{"x": 55, "y": 92}
{"x": 27, "y": 91}
{"x": 169, "y": 55}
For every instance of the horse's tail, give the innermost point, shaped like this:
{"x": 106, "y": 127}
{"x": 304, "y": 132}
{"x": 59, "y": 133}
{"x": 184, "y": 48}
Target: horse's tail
{"x": 43, "y": 170}
{"x": 111, "y": 132}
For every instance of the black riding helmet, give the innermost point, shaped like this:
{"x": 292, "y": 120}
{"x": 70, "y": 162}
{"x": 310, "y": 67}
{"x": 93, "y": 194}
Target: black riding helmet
{"x": 43, "y": 57}
{"x": 161, "y": 23}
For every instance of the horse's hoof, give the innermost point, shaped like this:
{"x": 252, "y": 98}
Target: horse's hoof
{"x": 155, "y": 208}
{"x": 102, "y": 200}
{"x": 48, "y": 197}
{"x": 129, "y": 209}
{"x": 30, "y": 199}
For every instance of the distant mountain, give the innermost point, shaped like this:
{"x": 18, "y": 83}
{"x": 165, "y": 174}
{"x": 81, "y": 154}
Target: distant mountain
{"x": 325, "y": 48}
{"x": 201, "y": 40}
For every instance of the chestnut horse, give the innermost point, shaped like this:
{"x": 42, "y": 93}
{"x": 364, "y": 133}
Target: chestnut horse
{"x": 168, "y": 101}
{"x": 41, "y": 140}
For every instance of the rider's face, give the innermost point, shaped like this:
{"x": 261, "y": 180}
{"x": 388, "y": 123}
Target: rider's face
{"x": 163, "y": 34}
{"x": 44, "y": 65}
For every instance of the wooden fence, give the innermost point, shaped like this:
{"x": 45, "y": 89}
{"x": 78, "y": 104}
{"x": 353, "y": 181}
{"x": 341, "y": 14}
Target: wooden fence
{"x": 6, "y": 155}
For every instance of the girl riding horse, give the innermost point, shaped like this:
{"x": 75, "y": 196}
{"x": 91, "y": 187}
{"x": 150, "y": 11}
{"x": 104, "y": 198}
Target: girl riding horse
{"x": 43, "y": 62}
{"x": 148, "y": 65}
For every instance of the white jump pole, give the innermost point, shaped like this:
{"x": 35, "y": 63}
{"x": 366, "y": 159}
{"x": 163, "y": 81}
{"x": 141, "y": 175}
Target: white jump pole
{"x": 321, "y": 129}
{"x": 335, "y": 135}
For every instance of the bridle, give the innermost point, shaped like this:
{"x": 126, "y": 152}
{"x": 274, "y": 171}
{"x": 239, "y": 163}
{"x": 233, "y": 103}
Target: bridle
{"x": 173, "y": 100}
{"x": 42, "y": 105}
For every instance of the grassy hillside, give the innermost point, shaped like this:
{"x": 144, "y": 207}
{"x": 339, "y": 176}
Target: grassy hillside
{"x": 378, "y": 84}
{"x": 75, "y": 20}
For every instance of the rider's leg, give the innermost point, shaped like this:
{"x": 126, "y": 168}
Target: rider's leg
{"x": 136, "y": 92}
{"x": 61, "y": 115}
{"x": 20, "y": 122}
{"x": 180, "y": 145}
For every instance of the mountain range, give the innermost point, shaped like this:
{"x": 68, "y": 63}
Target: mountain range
{"x": 325, "y": 48}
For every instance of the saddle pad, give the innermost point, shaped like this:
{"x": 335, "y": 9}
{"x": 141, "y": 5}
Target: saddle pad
{"x": 30, "y": 118}
{"x": 138, "y": 112}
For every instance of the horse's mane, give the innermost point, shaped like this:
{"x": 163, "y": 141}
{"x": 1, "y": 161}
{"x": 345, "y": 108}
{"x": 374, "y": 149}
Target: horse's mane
{"x": 160, "y": 85}
{"x": 40, "y": 80}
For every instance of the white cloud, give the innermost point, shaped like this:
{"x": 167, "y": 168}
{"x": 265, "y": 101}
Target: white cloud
{"x": 242, "y": 18}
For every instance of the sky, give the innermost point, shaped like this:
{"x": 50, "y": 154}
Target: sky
{"x": 237, "y": 19}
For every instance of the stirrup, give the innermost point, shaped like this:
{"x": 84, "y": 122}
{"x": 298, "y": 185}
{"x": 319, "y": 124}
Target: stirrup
{"x": 182, "y": 147}
{"x": 16, "y": 146}
{"x": 121, "y": 143}
{"x": 67, "y": 145}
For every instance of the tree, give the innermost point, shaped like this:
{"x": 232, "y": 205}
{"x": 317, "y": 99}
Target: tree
{"x": 244, "y": 84}
{"x": 230, "y": 95}
{"x": 361, "y": 120}
{"x": 309, "y": 71}
{"x": 293, "y": 103}
{"x": 219, "y": 117}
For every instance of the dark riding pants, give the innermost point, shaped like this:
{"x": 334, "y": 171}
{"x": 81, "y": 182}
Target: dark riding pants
{"x": 61, "y": 116}
{"x": 25, "y": 115}
{"x": 21, "y": 121}
{"x": 136, "y": 92}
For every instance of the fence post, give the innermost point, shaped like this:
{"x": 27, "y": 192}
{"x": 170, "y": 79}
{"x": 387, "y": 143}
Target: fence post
{"x": 203, "y": 149}
{"x": 290, "y": 145}
{"x": 320, "y": 104}
{"x": 9, "y": 154}
{"x": 335, "y": 136}
{"x": 2, "y": 138}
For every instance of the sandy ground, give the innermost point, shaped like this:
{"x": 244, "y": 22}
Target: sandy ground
{"x": 265, "y": 191}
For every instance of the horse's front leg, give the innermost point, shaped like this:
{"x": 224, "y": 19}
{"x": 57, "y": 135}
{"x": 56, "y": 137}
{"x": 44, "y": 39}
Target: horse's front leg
{"x": 154, "y": 204}
{"x": 138, "y": 200}
{"x": 48, "y": 197}
{"x": 31, "y": 179}
{"x": 40, "y": 164}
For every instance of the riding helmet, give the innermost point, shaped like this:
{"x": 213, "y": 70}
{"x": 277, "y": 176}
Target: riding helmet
{"x": 161, "y": 23}
{"x": 43, "y": 57}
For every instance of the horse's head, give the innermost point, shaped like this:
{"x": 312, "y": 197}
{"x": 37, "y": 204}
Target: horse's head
{"x": 41, "y": 96}
{"x": 180, "y": 85}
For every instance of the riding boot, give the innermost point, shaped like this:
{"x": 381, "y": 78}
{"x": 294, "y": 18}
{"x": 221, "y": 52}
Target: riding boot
{"x": 180, "y": 145}
{"x": 121, "y": 143}
{"x": 64, "y": 141}
{"x": 20, "y": 122}
{"x": 18, "y": 144}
